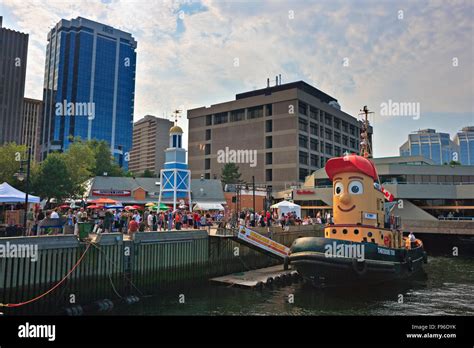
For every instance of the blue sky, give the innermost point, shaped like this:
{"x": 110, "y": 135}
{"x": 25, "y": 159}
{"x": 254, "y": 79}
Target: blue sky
{"x": 396, "y": 50}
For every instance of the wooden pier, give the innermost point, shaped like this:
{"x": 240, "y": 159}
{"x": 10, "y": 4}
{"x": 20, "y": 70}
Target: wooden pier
{"x": 259, "y": 278}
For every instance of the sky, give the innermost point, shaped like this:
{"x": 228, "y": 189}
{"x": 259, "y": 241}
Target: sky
{"x": 361, "y": 52}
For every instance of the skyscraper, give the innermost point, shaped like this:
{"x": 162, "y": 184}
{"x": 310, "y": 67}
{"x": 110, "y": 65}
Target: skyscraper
{"x": 89, "y": 86}
{"x": 31, "y": 125}
{"x": 150, "y": 140}
{"x": 465, "y": 140}
{"x": 430, "y": 144}
{"x": 13, "y": 55}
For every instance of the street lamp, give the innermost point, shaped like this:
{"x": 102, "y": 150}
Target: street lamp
{"x": 21, "y": 176}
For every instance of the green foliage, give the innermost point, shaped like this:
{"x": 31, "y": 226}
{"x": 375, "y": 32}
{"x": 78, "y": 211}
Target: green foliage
{"x": 53, "y": 180}
{"x": 10, "y": 156}
{"x": 104, "y": 162}
{"x": 230, "y": 174}
{"x": 148, "y": 174}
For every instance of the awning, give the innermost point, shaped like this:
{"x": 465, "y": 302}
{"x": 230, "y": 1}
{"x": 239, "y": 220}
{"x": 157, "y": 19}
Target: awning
{"x": 9, "y": 194}
{"x": 208, "y": 206}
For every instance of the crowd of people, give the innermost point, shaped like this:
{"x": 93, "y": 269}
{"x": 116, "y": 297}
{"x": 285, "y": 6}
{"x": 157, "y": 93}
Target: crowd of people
{"x": 56, "y": 220}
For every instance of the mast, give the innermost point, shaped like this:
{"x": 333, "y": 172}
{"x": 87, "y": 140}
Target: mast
{"x": 365, "y": 150}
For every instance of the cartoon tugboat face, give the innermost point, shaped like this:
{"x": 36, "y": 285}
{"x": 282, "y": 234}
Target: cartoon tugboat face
{"x": 362, "y": 221}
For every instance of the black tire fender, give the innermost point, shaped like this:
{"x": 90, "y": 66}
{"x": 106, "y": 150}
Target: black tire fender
{"x": 359, "y": 266}
{"x": 409, "y": 263}
{"x": 425, "y": 257}
{"x": 286, "y": 263}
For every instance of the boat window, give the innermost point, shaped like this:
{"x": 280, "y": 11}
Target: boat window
{"x": 334, "y": 231}
{"x": 344, "y": 231}
{"x": 369, "y": 234}
{"x": 356, "y": 231}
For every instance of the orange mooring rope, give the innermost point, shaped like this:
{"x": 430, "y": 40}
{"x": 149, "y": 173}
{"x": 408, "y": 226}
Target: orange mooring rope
{"x": 50, "y": 290}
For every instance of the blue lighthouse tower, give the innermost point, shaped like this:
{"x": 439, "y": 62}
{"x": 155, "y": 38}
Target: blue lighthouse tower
{"x": 175, "y": 178}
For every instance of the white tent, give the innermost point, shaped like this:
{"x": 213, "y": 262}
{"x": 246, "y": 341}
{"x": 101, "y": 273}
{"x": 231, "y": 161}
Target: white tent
{"x": 208, "y": 206}
{"x": 286, "y": 207}
{"x": 9, "y": 194}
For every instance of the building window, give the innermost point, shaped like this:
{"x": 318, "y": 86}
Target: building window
{"x": 208, "y": 134}
{"x": 269, "y": 158}
{"x": 314, "y": 160}
{"x": 328, "y": 134}
{"x": 220, "y": 118}
{"x": 303, "y": 141}
{"x": 302, "y": 107}
{"x": 345, "y": 126}
{"x": 268, "y": 142}
{"x": 321, "y": 116}
{"x": 303, "y": 174}
{"x": 353, "y": 143}
{"x": 313, "y": 113}
{"x": 207, "y": 163}
{"x": 208, "y": 120}
{"x": 337, "y": 151}
{"x": 207, "y": 175}
{"x": 255, "y": 112}
{"x": 328, "y": 120}
{"x": 337, "y": 123}
{"x": 303, "y": 157}
{"x": 207, "y": 149}
{"x": 268, "y": 126}
{"x": 352, "y": 129}
{"x": 313, "y": 144}
{"x": 268, "y": 175}
{"x": 328, "y": 149}
{"x": 269, "y": 109}
{"x": 345, "y": 140}
{"x": 313, "y": 128}
{"x": 237, "y": 115}
{"x": 303, "y": 125}
{"x": 337, "y": 137}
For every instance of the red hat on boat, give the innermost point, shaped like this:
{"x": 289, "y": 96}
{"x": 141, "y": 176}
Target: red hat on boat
{"x": 350, "y": 163}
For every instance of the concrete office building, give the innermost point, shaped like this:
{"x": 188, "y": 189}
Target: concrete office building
{"x": 430, "y": 144}
{"x": 465, "y": 140}
{"x": 150, "y": 140}
{"x": 31, "y": 125}
{"x": 89, "y": 87}
{"x": 13, "y": 56}
{"x": 293, "y": 129}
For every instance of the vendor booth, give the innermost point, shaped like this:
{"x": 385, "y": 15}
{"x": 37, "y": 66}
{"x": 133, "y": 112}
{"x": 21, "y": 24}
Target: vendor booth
{"x": 208, "y": 206}
{"x": 10, "y": 195}
{"x": 285, "y": 207}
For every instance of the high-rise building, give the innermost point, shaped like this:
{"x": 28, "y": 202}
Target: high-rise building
{"x": 89, "y": 86}
{"x": 31, "y": 125}
{"x": 13, "y": 56}
{"x": 150, "y": 140}
{"x": 430, "y": 144}
{"x": 465, "y": 140}
{"x": 279, "y": 134}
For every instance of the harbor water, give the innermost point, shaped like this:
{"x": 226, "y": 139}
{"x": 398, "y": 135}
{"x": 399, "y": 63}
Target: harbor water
{"x": 447, "y": 288}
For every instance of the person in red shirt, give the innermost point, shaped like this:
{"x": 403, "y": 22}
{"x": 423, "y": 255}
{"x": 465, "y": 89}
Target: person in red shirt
{"x": 132, "y": 226}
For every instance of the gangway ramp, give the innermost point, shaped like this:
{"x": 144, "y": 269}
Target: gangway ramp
{"x": 256, "y": 241}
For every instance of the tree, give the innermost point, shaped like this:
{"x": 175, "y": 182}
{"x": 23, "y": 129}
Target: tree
{"x": 104, "y": 162}
{"x": 80, "y": 161}
{"x": 148, "y": 174}
{"x": 53, "y": 180}
{"x": 10, "y": 156}
{"x": 454, "y": 163}
{"x": 230, "y": 174}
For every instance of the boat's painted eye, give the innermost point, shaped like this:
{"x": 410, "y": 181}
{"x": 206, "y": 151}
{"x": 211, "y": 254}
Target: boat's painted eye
{"x": 338, "y": 188}
{"x": 356, "y": 187}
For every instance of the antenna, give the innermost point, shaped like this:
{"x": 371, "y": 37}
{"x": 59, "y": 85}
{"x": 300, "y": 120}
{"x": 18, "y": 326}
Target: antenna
{"x": 365, "y": 146}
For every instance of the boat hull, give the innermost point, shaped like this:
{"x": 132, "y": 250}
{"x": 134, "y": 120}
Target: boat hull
{"x": 316, "y": 259}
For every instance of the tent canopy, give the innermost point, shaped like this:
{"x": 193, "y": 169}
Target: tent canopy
{"x": 9, "y": 194}
{"x": 286, "y": 207}
{"x": 208, "y": 206}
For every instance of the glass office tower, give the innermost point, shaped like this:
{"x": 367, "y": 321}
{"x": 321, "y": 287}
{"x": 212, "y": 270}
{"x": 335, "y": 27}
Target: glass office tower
{"x": 430, "y": 144}
{"x": 89, "y": 87}
{"x": 465, "y": 140}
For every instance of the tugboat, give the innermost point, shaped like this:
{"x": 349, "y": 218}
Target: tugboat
{"x": 364, "y": 243}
